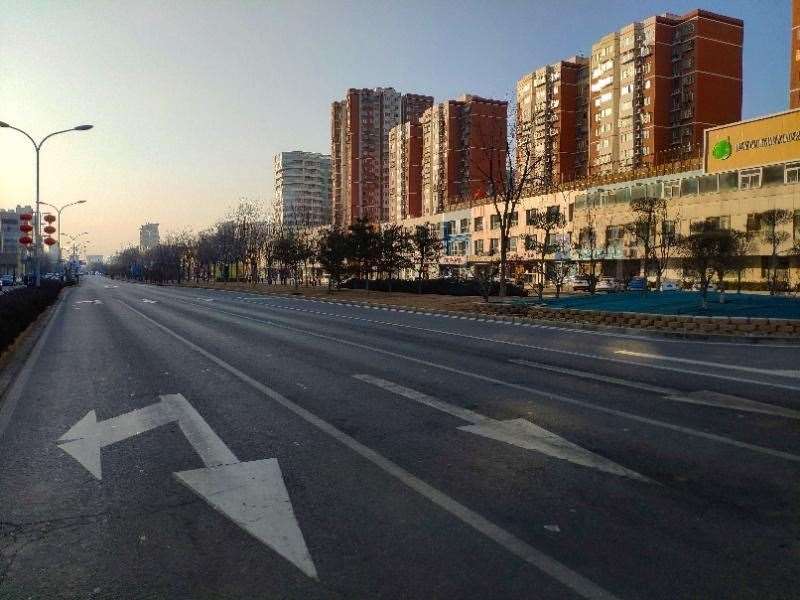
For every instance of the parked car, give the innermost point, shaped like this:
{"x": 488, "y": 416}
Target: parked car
{"x": 712, "y": 287}
{"x": 580, "y": 284}
{"x": 7, "y": 280}
{"x": 637, "y": 284}
{"x": 608, "y": 284}
{"x": 670, "y": 286}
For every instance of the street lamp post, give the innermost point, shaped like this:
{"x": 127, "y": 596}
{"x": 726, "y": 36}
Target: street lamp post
{"x": 58, "y": 222}
{"x": 37, "y": 233}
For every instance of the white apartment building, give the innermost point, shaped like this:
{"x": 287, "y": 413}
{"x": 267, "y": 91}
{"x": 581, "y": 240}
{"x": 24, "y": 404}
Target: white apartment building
{"x": 303, "y": 188}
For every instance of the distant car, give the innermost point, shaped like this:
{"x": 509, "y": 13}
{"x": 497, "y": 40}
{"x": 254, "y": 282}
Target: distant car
{"x": 670, "y": 286}
{"x": 637, "y": 284}
{"x": 608, "y": 284}
{"x": 7, "y": 280}
{"x": 580, "y": 284}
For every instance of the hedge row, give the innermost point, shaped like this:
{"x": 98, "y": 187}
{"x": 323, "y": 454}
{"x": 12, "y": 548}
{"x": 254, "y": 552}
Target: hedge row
{"x": 447, "y": 287}
{"x": 19, "y": 308}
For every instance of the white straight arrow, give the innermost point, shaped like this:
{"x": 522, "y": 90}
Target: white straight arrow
{"x": 252, "y": 494}
{"x": 517, "y": 432}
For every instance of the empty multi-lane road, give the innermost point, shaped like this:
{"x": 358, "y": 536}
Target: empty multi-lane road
{"x": 170, "y": 442}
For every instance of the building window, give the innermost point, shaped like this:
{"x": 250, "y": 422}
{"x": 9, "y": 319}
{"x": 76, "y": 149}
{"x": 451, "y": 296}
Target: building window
{"x": 494, "y": 222}
{"x": 571, "y": 211}
{"x": 796, "y": 226}
{"x": 530, "y": 243}
{"x": 749, "y": 179}
{"x": 448, "y": 228}
{"x": 512, "y": 244}
{"x": 792, "y": 173}
{"x": 530, "y": 216}
{"x": 464, "y": 226}
{"x": 478, "y": 223}
{"x": 514, "y": 219}
{"x": 753, "y": 223}
{"x": 494, "y": 246}
{"x": 479, "y": 247}
{"x": 672, "y": 189}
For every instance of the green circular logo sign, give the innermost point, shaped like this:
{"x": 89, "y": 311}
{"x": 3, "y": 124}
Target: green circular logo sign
{"x": 722, "y": 149}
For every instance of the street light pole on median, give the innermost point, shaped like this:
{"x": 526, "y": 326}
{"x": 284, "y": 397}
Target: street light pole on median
{"x": 58, "y": 222}
{"x": 37, "y": 223}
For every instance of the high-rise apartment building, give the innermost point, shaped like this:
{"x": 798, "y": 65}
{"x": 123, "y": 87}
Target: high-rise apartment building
{"x": 360, "y": 126}
{"x": 657, "y": 84}
{"x": 552, "y": 121}
{"x": 463, "y": 144}
{"x": 148, "y": 236}
{"x": 302, "y": 188}
{"x": 405, "y": 171}
{"x": 794, "y": 59}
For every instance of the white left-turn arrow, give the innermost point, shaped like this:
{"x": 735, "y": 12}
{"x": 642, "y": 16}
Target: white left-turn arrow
{"x": 252, "y": 494}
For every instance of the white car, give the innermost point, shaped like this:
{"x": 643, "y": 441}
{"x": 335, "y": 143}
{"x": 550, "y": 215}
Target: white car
{"x": 608, "y": 284}
{"x": 670, "y": 286}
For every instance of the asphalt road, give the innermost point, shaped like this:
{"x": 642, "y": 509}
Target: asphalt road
{"x": 266, "y": 447}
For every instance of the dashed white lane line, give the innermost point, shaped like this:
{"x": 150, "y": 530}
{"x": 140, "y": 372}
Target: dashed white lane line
{"x": 524, "y": 551}
{"x": 705, "y": 363}
{"x": 702, "y": 397}
{"x": 523, "y": 388}
{"x": 516, "y": 432}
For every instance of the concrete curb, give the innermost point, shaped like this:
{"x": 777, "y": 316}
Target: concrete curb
{"x": 562, "y": 323}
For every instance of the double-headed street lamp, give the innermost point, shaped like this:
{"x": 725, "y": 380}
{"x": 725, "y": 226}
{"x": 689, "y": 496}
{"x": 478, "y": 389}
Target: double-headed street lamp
{"x": 37, "y": 228}
{"x": 58, "y": 221}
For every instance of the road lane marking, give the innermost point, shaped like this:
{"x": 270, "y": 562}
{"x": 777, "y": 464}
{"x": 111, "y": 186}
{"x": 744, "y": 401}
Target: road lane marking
{"x": 521, "y": 549}
{"x": 252, "y": 494}
{"x": 516, "y": 432}
{"x": 148, "y": 301}
{"x": 546, "y": 395}
{"x": 794, "y": 388}
{"x": 779, "y": 372}
{"x": 701, "y": 397}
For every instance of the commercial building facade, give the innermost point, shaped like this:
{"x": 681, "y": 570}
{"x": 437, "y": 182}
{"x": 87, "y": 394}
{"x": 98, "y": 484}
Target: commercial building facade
{"x": 360, "y": 125}
{"x": 748, "y": 168}
{"x": 302, "y": 188}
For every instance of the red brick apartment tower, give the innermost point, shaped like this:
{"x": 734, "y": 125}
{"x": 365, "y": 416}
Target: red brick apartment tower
{"x": 360, "y": 127}
{"x": 552, "y": 121}
{"x": 794, "y": 59}
{"x": 657, "y": 84}
{"x": 462, "y": 141}
{"x": 405, "y": 171}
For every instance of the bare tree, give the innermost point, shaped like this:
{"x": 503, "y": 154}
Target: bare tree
{"x": 775, "y": 237}
{"x": 648, "y": 228}
{"x": 548, "y": 222}
{"x": 427, "y": 247}
{"x": 508, "y": 175}
{"x": 393, "y": 251}
{"x": 332, "y": 253}
{"x": 484, "y": 274}
{"x": 705, "y": 253}
{"x": 588, "y": 251}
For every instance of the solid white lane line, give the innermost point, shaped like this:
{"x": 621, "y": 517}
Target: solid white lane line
{"x": 779, "y": 372}
{"x": 516, "y": 432}
{"x": 794, "y": 388}
{"x": 700, "y": 397}
{"x": 603, "y": 378}
{"x": 547, "y": 395}
{"x": 558, "y": 571}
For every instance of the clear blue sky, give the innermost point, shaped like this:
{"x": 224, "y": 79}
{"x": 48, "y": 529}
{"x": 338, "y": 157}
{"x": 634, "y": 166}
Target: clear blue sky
{"x": 191, "y": 99}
